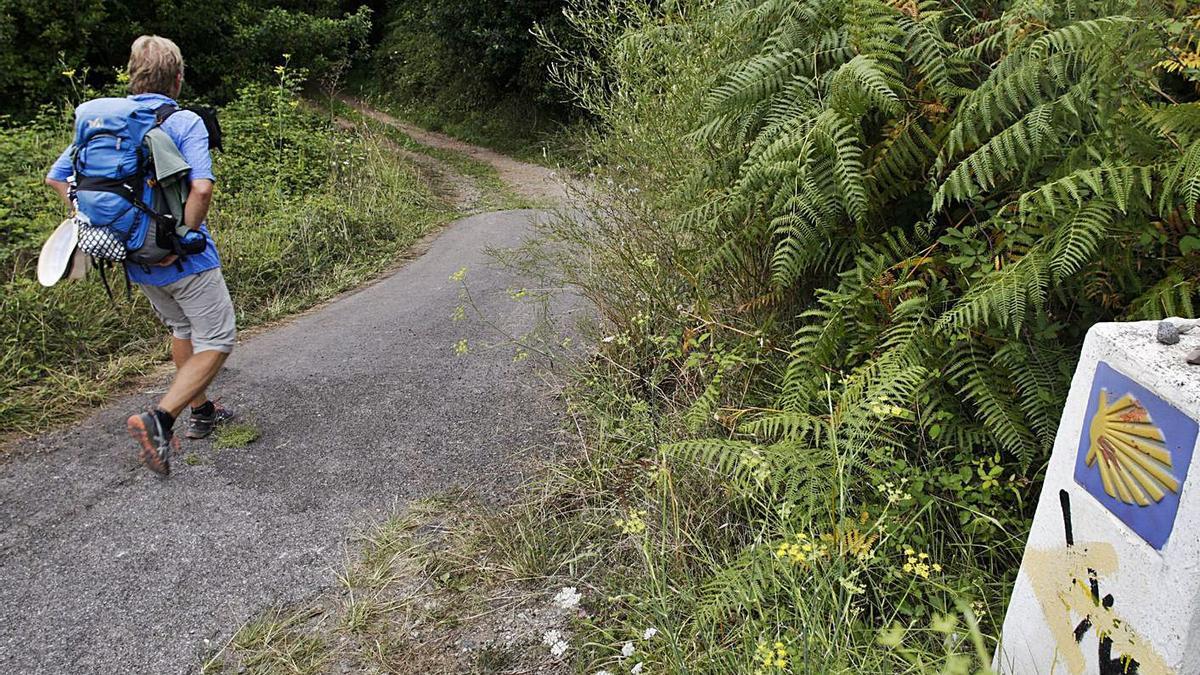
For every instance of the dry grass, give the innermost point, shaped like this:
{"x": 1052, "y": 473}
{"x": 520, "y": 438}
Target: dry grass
{"x": 418, "y": 593}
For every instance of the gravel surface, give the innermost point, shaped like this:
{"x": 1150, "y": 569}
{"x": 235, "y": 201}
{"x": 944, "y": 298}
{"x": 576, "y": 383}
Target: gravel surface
{"x": 363, "y": 405}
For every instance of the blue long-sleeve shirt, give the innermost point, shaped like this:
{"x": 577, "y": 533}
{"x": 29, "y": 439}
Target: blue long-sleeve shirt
{"x": 190, "y": 135}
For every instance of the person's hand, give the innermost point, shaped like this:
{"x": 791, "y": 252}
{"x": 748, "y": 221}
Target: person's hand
{"x": 194, "y": 242}
{"x": 169, "y": 260}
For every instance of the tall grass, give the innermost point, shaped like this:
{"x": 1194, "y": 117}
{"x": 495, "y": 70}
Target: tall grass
{"x": 302, "y": 212}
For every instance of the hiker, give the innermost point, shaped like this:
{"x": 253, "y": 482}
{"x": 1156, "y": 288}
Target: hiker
{"x": 185, "y": 288}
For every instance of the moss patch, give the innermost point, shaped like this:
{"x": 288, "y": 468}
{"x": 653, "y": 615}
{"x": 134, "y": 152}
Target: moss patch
{"x": 237, "y": 435}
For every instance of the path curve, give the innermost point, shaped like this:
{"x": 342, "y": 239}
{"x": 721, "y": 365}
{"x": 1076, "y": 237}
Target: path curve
{"x": 363, "y": 405}
{"x": 528, "y": 180}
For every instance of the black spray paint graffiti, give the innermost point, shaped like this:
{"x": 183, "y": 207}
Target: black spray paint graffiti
{"x": 1108, "y": 665}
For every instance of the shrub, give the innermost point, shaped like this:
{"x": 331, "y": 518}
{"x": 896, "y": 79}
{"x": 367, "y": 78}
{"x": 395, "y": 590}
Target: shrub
{"x": 226, "y": 44}
{"x": 846, "y": 252}
{"x": 473, "y": 70}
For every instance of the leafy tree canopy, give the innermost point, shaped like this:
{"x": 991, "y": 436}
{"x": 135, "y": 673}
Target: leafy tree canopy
{"x": 224, "y": 42}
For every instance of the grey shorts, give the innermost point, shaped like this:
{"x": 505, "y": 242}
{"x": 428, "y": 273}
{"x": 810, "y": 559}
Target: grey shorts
{"x": 197, "y": 308}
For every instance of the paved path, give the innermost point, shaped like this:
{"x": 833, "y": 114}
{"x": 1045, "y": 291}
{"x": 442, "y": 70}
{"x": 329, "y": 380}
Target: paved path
{"x": 363, "y": 405}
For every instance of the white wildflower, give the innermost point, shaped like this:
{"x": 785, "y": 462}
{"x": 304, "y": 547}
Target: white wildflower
{"x": 567, "y": 598}
{"x": 636, "y": 669}
{"x": 627, "y": 650}
{"x": 558, "y": 649}
{"x": 650, "y": 632}
{"x": 551, "y": 637}
{"x": 610, "y": 338}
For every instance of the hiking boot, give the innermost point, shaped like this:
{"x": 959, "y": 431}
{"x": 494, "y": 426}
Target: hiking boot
{"x": 155, "y": 443}
{"x": 200, "y": 425}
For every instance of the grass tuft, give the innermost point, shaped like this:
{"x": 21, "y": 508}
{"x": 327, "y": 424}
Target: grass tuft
{"x": 280, "y": 641}
{"x": 422, "y": 592}
{"x": 235, "y": 435}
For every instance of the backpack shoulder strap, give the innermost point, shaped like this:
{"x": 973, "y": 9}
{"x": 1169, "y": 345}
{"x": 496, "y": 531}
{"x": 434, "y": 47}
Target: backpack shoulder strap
{"x": 206, "y": 115}
{"x": 209, "y": 117}
{"x": 162, "y": 112}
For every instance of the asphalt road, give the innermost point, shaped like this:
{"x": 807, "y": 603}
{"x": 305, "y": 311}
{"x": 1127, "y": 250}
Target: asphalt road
{"x": 363, "y": 406}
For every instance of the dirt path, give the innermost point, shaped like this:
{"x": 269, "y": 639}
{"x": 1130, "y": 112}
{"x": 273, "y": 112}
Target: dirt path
{"x": 528, "y": 180}
{"x": 363, "y": 405}
{"x": 461, "y": 192}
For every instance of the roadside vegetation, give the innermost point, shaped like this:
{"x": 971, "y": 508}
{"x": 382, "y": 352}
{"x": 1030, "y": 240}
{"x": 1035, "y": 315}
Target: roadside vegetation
{"x": 845, "y": 255}
{"x": 474, "y": 71}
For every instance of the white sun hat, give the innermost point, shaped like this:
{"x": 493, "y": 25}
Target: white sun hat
{"x": 55, "y": 260}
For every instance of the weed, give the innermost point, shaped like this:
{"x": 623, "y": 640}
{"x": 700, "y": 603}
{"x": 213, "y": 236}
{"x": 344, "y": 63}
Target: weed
{"x": 280, "y": 641}
{"x": 422, "y": 592}
{"x": 235, "y": 435}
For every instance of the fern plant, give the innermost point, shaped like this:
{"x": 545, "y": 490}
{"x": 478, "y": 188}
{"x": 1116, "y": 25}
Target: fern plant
{"x": 895, "y": 221}
{"x": 943, "y": 205}
{"x": 1015, "y": 157}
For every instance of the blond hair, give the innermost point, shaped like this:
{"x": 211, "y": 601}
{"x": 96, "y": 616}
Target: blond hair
{"x": 155, "y": 63}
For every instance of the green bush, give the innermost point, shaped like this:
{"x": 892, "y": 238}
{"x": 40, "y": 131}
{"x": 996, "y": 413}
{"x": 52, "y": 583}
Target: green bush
{"x": 302, "y": 211}
{"x": 480, "y": 49}
{"x": 474, "y": 70}
{"x": 225, "y": 44}
{"x": 27, "y": 209}
{"x": 847, "y": 251}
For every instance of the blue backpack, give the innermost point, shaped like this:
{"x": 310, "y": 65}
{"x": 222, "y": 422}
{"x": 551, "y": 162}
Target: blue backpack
{"x": 121, "y": 215}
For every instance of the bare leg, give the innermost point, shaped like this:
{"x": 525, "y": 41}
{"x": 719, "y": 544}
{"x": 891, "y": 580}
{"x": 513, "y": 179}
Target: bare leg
{"x": 181, "y": 351}
{"x": 192, "y": 380}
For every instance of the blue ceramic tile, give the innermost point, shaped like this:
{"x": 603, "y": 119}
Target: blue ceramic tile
{"x": 1140, "y": 448}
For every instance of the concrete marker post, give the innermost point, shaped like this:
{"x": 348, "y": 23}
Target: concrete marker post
{"x": 1110, "y": 579}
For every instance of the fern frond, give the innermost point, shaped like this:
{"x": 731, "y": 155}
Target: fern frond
{"x": 1181, "y": 184}
{"x": 862, "y": 84}
{"x": 1007, "y": 152}
{"x": 790, "y": 426}
{"x": 901, "y": 160}
{"x": 1078, "y": 36}
{"x": 931, "y": 54}
{"x": 1109, "y": 182}
{"x": 731, "y": 458}
{"x": 993, "y": 398}
{"x": 1002, "y": 298}
{"x": 841, "y": 137}
{"x": 757, "y": 78}
{"x": 1174, "y": 295}
{"x": 1077, "y": 242}
{"x": 1040, "y": 386}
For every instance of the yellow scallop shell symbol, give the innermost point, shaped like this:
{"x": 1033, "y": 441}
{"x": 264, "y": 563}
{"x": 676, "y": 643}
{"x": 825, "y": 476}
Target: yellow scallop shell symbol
{"x": 1135, "y": 465}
